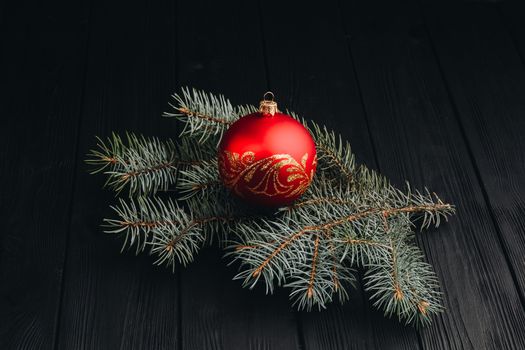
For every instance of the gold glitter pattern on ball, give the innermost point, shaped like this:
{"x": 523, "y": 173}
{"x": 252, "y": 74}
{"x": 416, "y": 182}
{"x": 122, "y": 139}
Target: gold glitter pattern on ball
{"x": 264, "y": 176}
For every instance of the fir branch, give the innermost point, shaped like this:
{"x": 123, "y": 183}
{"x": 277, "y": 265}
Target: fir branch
{"x": 350, "y": 216}
{"x": 315, "y": 280}
{"x": 338, "y": 204}
{"x": 396, "y": 275}
{"x": 310, "y": 289}
{"x": 161, "y": 227}
{"x": 205, "y": 115}
{"x": 335, "y": 156}
{"x": 145, "y": 165}
{"x": 303, "y": 260}
{"x": 282, "y": 251}
{"x": 199, "y": 179}
{"x": 168, "y": 241}
{"x": 106, "y": 154}
{"x": 229, "y": 213}
{"x": 402, "y": 284}
{"x": 144, "y": 220}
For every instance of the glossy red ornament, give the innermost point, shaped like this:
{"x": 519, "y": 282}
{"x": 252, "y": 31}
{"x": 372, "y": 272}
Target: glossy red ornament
{"x": 267, "y": 158}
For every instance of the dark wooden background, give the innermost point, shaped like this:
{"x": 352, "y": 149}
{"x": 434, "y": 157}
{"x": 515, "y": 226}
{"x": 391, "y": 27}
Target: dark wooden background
{"x": 431, "y": 93}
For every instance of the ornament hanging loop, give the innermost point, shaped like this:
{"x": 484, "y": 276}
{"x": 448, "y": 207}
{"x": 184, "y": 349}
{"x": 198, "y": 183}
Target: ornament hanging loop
{"x": 268, "y": 96}
{"x": 268, "y": 105}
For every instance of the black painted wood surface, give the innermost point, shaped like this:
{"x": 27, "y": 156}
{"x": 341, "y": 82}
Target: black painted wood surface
{"x": 429, "y": 92}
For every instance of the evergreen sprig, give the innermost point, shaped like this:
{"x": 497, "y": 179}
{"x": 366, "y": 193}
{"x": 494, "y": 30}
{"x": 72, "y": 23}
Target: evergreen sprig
{"x": 350, "y": 218}
{"x": 205, "y": 115}
{"x": 145, "y": 165}
{"x": 161, "y": 227}
{"x": 334, "y": 154}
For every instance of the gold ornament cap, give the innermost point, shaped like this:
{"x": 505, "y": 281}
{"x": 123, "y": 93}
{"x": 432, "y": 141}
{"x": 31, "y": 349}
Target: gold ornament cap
{"x": 268, "y": 105}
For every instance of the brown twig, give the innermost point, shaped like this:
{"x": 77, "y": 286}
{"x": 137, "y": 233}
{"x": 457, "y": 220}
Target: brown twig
{"x": 282, "y": 246}
{"x": 398, "y": 293}
{"x": 110, "y": 160}
{"x": 184, "y": 231}
{"x": 354, "y": 217}
{"x": 385, "y": 213}
{"x": 192, "y": 223}
{"x": 310, "y": 292}
{"x": 243, "y": 246}
{"x": 422, "y": 306}
{"x": 173, "y": 164}
{"x": 190, "y": 113}
{"x": 335, "y": 276}
{"x": 126, "y": 176}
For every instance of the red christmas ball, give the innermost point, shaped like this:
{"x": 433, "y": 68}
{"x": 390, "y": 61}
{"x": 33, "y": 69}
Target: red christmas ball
{"x": 267, "y": 158}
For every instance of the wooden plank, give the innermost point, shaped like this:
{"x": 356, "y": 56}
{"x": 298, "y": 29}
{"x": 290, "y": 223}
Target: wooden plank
{"x": 224, "y": 55}
{"x": 310, "y": 72}
{"x": 491, "y": 109}
{"x": 114, "y": 301}
{"x": 486, "y": 83}
{"x": 512, "y": 16}
{"x": 42, "y": 69}
{"x": 417, "y": 137}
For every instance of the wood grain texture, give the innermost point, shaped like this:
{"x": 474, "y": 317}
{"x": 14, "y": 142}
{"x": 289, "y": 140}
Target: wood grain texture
{"x": 42, "y": 70}
{"x": 486, "y": 77}
{"x": 512, "y": 16}
{"x": 226, "y": 56}
{"x": 418, "y": 138}
{"x": 115, "y": 301}
{"x": 432, "y": 94}
{"x": 311, "y": 73}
